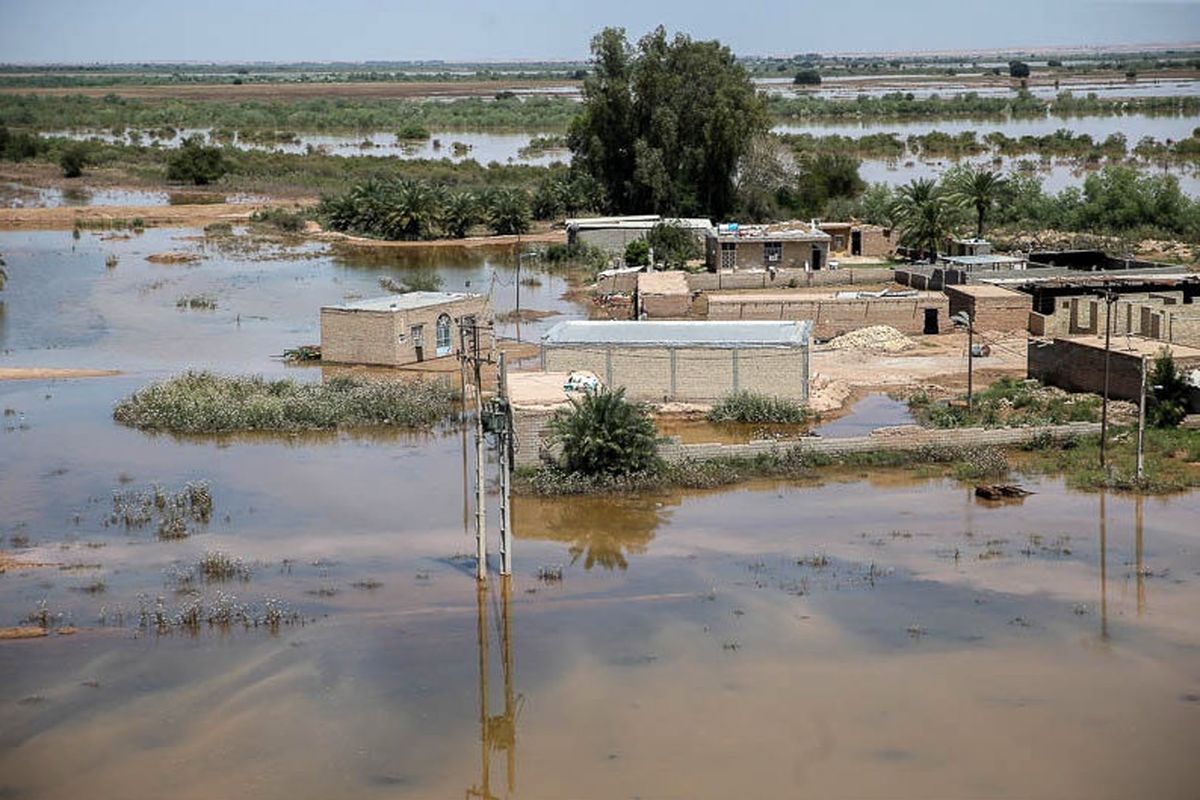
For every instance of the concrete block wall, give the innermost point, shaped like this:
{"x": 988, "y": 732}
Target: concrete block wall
{"x": 533, "y": 447}
{"x": 692, "y": 374}
{"x": 832, "y": 317}
{"x": 908, "y": 439}
{"x": 1007, "y": 313}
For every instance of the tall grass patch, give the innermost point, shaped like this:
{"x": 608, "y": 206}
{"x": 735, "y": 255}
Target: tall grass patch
{"x": 203, "y": 402}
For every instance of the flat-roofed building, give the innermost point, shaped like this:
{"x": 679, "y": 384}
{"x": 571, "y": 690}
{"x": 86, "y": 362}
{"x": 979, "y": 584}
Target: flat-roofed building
{"x": 786, "y": 245}
{"x": 402, "y": 329}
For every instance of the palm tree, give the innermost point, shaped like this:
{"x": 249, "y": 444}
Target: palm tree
{"x": 923, "y": 214}
{"x": 507, "y": 211}
{"x": 979, "y": 189}
{"x": 459, "y": 213}
{"x": 605, "y": 434}
{"x": 413, "y": 209}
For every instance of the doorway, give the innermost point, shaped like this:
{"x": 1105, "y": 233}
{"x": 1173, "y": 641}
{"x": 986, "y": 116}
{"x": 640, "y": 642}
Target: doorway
{"x": 418, "y": 340}
{"x": 817, "y": 257}
{"x": 856, "y": 243}
{"x": 931, "y": 321}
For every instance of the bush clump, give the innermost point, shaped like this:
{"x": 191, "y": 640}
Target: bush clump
{"x": 202, "y": 402}
{"x": 606, "y": 435}
{"x": 748, "y": 406}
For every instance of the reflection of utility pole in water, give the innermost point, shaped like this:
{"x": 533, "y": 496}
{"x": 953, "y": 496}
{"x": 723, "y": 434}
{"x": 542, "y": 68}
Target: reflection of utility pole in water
{"x": 1103, "y": 566}
{"x": 1137, "y": 549}
{"x": 496, "y": 732}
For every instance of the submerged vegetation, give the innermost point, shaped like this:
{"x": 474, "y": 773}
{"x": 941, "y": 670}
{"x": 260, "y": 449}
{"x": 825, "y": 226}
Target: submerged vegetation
{"x": 202, "y": 402}
{"x": 798, "y": 462}
{"x": 1007, "y": 402}
{"x": 748, "y": 406}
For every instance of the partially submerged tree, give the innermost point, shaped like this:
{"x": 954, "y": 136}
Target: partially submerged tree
{"x": 73, "y": 159}
{"x": 663, "y": 126}
{"x": 507, "y": 211}
{"x": 604, "y": 434}
{"x": 197, "y": 163}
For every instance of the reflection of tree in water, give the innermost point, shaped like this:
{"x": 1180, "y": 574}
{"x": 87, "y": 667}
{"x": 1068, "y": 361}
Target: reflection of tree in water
{"x": 602, "y": 531}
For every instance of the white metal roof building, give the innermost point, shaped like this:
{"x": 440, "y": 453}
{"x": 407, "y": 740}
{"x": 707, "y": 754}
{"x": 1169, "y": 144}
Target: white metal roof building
{"x": 689, "y": 361}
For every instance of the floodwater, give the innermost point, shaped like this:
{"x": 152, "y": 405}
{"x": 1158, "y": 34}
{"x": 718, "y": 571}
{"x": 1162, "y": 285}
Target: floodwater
{"x": 871, "y": 636}
{"x": 928, "y": 85}
{"x": 506, "y": 148}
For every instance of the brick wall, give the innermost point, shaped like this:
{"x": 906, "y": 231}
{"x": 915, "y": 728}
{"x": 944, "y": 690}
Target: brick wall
{"x": 830, "y": 316}
{"x": 786, "y": 278}
{"x": 1080, "y": 368}
{"x": 1006, "y": 313}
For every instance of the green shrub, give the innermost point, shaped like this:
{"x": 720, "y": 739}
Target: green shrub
{"x": 286, "y": 220}
{"x": 748, "y": 406}
{"x": 1170, "y": 392}
{"x": 637, "y": 253}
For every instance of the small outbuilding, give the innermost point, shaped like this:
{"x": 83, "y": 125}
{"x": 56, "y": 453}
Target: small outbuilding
{"x": 402, "y": 329}
{"x": 687, "y": 361}
{"x": 1077, "y": 363}
{"x": 992, "y": 308}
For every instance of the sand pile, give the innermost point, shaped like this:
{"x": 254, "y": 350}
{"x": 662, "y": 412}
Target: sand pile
{"x": 875, "y": 339}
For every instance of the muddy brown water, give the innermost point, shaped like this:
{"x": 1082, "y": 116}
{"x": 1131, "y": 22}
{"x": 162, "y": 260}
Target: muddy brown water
{"x": 872, "y": 635}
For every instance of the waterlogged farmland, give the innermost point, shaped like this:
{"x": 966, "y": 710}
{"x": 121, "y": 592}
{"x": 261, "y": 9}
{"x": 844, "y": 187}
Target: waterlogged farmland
{"x": 308, "y": 626}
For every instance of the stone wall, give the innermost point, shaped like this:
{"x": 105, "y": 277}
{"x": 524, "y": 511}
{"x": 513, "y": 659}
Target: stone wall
{"x": 786, "y": 279}
{"x": 990, "y": 309}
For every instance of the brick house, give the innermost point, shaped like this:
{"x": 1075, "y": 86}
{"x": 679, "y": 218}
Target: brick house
{"x": 401, "y": 329}
{"x": 767, "y": 247}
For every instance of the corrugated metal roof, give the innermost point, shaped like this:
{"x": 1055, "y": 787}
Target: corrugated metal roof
{"x": 672, "y": 333}
{"x": 404, "y": 302}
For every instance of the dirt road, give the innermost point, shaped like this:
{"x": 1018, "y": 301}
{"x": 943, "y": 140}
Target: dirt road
{"x": 47, "y": 373}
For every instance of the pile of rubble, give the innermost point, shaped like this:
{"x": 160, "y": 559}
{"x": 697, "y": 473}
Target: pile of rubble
{"x": 875, "y": 339}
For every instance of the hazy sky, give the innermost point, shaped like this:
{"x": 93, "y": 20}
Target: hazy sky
{"x": 359, "y": 30}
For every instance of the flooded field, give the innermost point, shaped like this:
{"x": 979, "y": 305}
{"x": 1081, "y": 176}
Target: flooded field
{"x": 871, "y": 636}
{"x": 848, "y": 87}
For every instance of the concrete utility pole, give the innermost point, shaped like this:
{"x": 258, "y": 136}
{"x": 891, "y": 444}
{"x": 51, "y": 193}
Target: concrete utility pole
{"x": 1141, "y": 440}
{"x": 480, "y": 499}
{"x": 1109, "y": 299}
{"x": 970, "y": 363}
{"x": 505, "y": 442}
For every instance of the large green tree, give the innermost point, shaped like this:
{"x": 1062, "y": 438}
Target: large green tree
{"x": 664, "y": 125}
{"x": 923, "y": 213}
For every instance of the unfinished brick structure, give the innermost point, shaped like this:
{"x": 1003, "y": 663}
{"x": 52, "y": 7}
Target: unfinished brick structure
{"x": 685, "y": 361}
{"x": 993, "y": 308}
{"x": 833, "y": 313}
{"x": 663, "y": 295}
{"x": 1077, "y": 364}
{"x": 400, "y": 329}
{"x": 1162, "y": 315}
{"x": 855, "y": 239}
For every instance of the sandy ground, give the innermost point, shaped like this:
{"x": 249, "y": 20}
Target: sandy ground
{"x": 938, "y": 362}
{"x": 9, "y": 561}
{"x": 46, "y": 373}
